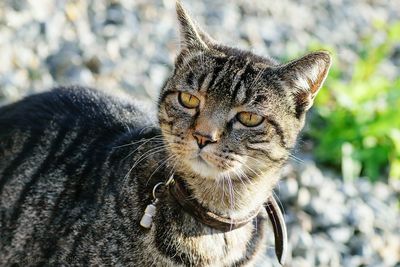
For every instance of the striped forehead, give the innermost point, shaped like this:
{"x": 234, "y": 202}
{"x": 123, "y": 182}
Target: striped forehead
{"x": 227, "y": 78}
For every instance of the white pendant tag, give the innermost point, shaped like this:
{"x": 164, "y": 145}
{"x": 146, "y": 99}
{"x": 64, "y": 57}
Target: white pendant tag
{"x": 147, "y": 218}
{"x": 150, "y": 211}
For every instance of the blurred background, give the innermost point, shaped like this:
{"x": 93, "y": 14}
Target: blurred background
{"x": 340, "y": 191}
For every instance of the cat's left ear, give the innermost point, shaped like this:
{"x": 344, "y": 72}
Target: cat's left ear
{"x": 305, "y": 76}
{"x": 192, "y": 37}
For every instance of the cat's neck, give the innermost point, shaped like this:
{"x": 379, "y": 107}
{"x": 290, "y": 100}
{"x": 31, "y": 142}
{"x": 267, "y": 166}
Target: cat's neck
{"x": 232, "y": 198}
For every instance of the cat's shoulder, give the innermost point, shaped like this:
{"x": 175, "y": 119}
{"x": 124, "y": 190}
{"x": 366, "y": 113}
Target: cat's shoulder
{"x": 69, "y": 104}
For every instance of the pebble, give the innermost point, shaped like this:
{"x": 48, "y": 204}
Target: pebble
{"x": 353, "y": 223}
{"x": 289, "y": 189}
{"x": 341, "y": 234}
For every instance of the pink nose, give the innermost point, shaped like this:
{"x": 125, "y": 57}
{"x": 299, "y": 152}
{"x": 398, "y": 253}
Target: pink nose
{"x": 203, "y": 139}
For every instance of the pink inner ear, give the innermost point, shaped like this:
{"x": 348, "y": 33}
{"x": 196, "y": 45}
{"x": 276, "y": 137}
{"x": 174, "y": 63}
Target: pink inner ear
{"x": 315, "y": 85}
{"x": 303, "y": 101}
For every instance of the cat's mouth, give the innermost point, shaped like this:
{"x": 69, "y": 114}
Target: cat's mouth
{"x": 205, "y": 167}
{"x": 202, "y": 160}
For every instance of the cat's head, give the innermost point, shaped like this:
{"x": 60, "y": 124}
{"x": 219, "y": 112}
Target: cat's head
{"x": 229, "y": 113}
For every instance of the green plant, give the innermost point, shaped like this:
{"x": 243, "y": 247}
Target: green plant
{"x": 357, "y": 120}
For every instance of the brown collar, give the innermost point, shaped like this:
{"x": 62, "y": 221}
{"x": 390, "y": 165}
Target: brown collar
{"x": 182, "y": 195}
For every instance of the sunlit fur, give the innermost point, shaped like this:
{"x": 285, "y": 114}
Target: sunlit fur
{"x": 240, "y": 166}
{"x": 239, "y": 149}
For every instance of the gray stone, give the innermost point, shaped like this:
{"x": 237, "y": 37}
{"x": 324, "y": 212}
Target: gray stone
{"x": 361, "y": 216}
{"x": 341, "y": 234}
{"x": 288, "y": 188}
{"x": 303, "y": 197}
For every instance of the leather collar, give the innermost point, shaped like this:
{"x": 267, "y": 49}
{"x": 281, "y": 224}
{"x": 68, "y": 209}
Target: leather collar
{"x": 181, "y": 193}
{"x": 183, "y": 196}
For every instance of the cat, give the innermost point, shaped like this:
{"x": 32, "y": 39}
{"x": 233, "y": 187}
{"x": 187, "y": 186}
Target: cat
{"x": 78, "y": 167}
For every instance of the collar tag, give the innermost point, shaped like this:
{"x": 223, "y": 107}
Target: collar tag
{"x": 150, "y": 211}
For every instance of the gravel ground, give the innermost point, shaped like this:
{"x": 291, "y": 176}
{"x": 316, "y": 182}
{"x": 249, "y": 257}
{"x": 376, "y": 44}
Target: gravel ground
{"x": 336, "y": 224}
{"x": 129, "y": 46}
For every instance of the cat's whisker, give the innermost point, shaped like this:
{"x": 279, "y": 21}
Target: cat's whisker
{"x": 240, "y": 175}
{"x": 253, "y": 171}
{"x": 165, "y": 161}
{"x": 256, "y": 159}
{"x": 244, "y": 164}
{"x": 248, "y": 179}
{"x": 155, "y": 138}
{"x": 148, "y": 153}
{"x": 231, "y": 191}
{"x": 223, "y": 190}
{"x": 128, "y": 128}
{"x": 176, "y": 162}
{"x": 232, "y": 196}
{"x": 145, "y": 128}
{"x": 257, "y": 173}
{"x": 162, "y": 146}
{"x": 140, "y": 146}
{"x": 296, "y": 159}
{"x": 142, "y": 157}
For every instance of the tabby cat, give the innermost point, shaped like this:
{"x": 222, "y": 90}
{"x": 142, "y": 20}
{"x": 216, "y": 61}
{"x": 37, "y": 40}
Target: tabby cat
{"x": 78, "y": 167}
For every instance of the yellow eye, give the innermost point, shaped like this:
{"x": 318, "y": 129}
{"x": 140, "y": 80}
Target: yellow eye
{"x": 188, "y": 101}
{"x": 249, "y": 119}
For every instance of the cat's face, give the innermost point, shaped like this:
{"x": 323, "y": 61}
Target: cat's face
{"x": 229, "y": 113}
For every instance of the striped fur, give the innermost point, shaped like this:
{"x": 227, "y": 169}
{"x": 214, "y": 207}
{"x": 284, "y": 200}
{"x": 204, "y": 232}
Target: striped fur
{"x": 77, "y": 166}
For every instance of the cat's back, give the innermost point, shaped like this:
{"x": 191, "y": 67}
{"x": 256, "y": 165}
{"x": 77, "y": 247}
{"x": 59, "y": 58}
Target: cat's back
{"x": 64, "y": 120}
{"x": 62, "y": 125}
{"x": 68, "y": 105}
{"x": 64, "y": 112}
{"x": 52, "y": 147}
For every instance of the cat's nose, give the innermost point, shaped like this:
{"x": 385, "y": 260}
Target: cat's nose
{"x": 203, "y": 139}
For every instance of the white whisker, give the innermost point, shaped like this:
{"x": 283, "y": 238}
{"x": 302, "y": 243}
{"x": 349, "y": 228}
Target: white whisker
{"x": 157, "y": 138}
{"x": 296, "y": 159}
{"x": 159, "y": 167}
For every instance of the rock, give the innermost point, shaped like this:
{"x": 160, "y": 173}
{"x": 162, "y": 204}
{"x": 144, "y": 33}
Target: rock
{"x": 382, "y": 191}
{"x": 301, "y": 241}
{"x": 390, "y": 252}
{"x": 361, "y": 217}
{"x": 303, "y": 197}
{"x": 349, "y": 189}
{"x": 288, "y": 188}
{"x": 300, "y": 262}
{"x": 311, "y": 176}
{"x": 115, "y": 14}
{"x": 341, "y": 234}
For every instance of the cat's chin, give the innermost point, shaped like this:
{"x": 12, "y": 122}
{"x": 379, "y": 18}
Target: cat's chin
{"x": 206, "y": 170}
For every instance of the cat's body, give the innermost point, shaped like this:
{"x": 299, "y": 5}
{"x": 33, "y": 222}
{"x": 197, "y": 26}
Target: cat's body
{"x": 64, "y": 199}
{"x": 77, "y": 168}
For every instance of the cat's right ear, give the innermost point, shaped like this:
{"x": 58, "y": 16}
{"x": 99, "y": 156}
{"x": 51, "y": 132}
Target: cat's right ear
{"x": 191, "y": 37}
{"x": 305, "y": 76}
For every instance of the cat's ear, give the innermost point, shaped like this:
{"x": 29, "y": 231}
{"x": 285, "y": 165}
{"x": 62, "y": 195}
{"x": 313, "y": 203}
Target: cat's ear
{"x": 192, "y": 37}
{"x": 305, "y": 76}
